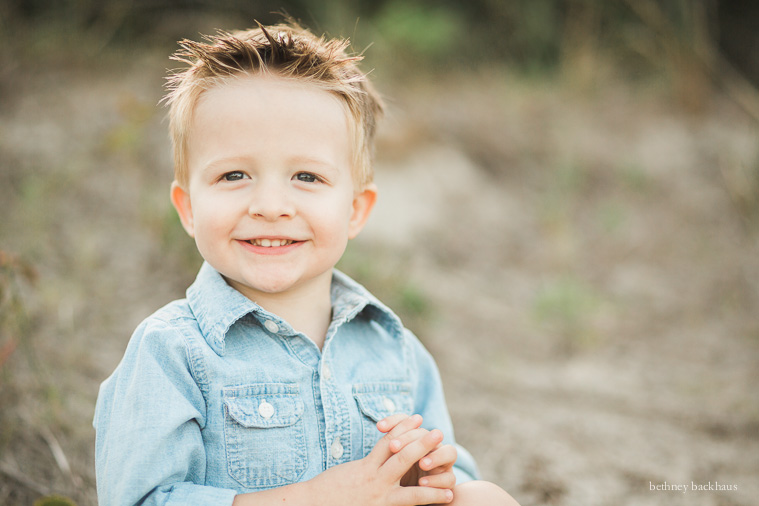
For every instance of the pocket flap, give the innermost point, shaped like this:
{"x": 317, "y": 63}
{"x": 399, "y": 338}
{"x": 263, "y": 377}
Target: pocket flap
{"x": 264, "y": 406}
{"x": 378, "y": 401}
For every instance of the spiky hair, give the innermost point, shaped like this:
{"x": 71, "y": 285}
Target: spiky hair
{"x": 285, "y": 50}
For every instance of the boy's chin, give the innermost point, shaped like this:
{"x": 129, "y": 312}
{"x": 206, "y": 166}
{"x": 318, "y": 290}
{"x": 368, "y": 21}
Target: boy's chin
{"x": 262, "y": 287}
{"x": 273, "y": 285}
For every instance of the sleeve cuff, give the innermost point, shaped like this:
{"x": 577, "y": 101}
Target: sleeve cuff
{"x": 465, "y": 468}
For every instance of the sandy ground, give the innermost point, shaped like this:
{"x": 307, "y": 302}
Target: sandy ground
{"x": 583, "y": 265}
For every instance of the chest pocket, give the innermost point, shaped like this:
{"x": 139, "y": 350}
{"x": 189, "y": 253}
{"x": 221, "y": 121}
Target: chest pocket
{"x": 377, "y": 401}
{"x": 264, "y": 434}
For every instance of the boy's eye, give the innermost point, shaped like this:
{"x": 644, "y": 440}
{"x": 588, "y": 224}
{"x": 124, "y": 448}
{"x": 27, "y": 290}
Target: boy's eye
{"x": 233, "y": 176}
{"x": 306, "y": 177}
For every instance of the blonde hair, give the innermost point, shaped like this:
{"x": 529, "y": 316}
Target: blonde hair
{"x": 285, "y": 50}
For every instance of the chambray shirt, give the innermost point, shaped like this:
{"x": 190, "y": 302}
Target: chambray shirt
{"x": 215, "y": 396}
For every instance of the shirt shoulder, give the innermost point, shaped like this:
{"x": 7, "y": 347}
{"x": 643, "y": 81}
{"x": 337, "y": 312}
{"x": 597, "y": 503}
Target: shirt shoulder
{"x": 168, "y": 343}
{"x": 166, "y": 352}
{"x": 175, "y": 314}
{"x": 168, "y": 327}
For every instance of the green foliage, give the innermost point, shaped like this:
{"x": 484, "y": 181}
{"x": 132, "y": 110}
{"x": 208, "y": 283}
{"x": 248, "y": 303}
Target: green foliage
{"x": 741, "y": 180}
{"x": 414, "y": 30}
{"x": 673, "y": 39}
{"x": 530, "y": 32}
{"x": 15, "y": 273}
{"x": 386, "y": 275}
{"x": 14, "y": 321}
{"x": 54, "y": 500}
{"x": 568, "y": 306}
{"x": 162, "y": 221}
{"x": 612, "y": 216}
{"x": 564, "y": 301}
{"x": 565, "y": 193}
{"x": 634, "y": 177}
{"x": 571, "y": 177}
{"x": 413, "y": 300}
{"x": 130, "y": 134}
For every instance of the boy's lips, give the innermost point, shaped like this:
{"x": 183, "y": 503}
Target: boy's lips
{"x": 270, "y": 245}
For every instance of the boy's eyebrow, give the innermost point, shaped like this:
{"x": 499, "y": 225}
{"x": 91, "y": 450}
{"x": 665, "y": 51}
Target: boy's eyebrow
{"x": 226, "y": 160}
{"x": 308, "y": 160}
{"x": 294, "y": 160}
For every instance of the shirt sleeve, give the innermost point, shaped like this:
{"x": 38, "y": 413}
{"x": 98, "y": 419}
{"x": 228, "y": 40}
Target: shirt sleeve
{"x": 430, "y": 403}
{"x": 148, "y": 419}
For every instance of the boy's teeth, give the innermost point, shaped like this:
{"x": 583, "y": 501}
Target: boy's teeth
{"x": 270, "y": 243}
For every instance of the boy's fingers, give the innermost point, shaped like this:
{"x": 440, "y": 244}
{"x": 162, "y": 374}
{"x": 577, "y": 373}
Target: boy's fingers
{"x": 443, "y": 480}
{"x": 409, "y": 423}
{"x": 422, "y": 495}
{"x": 388, "y": 423}
{"x": 381, "y": 451}
{"x": 401, "y": 462}
{"x": 400, "y": 442}
{"x": 442, "y": 456}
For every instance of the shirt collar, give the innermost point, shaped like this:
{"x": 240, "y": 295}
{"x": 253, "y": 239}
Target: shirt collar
{"x": 350, "y": 298}
{"x": 217, "y": 306}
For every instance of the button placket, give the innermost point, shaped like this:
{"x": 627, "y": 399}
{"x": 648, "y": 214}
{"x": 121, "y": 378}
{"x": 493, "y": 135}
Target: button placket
{"x": 336, "y": 409}
{"x": 326, "y": 372}
{"x": 336, "y": 450}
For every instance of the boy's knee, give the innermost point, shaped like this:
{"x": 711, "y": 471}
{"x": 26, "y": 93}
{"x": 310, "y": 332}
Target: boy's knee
{"x": 477, "y": 493}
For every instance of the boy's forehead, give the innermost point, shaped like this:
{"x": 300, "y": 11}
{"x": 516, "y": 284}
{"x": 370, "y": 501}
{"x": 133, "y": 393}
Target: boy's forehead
{"x": 269, "y": 86}
{"x": 273, "y": 98}
{"x": 297, "y": 112}
{"x": 259, "y": 92}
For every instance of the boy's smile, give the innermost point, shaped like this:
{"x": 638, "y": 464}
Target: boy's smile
{"x": 271, "y": 200}
{"x": 271, "y": 245}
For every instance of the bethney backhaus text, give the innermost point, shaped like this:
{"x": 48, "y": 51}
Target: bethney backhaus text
{"x": 696, "y": 487}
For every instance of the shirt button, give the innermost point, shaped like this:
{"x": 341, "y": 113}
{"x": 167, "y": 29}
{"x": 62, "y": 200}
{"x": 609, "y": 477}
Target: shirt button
{"x": 271, "y": 326}
{"x": 265, "y": 409}
{"x": 389, "y": 404}
{"x": 336, "y": 449}
{"x": 326, "y": 372}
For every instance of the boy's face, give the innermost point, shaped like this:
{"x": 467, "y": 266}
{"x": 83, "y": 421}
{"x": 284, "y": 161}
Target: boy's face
{"x": 271, "y": 200}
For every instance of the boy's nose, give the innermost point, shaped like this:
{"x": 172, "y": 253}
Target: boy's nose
{"x": 271, "y": 202}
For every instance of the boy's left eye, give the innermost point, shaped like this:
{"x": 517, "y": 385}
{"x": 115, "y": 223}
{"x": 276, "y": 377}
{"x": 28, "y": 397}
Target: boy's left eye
{"x": 233, "y": 176}
{"x": 306, "y": 177}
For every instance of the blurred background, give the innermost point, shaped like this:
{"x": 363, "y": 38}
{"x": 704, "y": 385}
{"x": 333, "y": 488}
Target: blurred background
{"x": 568, "y": 219}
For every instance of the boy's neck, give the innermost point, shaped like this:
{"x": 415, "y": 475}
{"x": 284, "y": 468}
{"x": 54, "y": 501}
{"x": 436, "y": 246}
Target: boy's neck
{"x": 308, "y": 310}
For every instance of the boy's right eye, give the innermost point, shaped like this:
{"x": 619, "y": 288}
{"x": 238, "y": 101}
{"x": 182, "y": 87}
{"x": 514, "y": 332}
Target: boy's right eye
{"x": 233, "y": 176}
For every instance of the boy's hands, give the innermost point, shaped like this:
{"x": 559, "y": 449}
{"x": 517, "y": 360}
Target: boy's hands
{"x": 375, "y": 480}
{"x": 433, "y": 470}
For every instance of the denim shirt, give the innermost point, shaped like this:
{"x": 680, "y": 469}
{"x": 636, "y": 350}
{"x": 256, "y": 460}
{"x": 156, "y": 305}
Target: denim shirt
{"x": 215, "y": 396}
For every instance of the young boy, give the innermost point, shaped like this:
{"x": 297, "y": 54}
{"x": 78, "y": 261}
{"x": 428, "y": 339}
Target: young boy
{"x": 274, "y": 380}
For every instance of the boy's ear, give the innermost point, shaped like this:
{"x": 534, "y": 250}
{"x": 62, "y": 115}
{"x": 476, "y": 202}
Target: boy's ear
{"x": 363, "y": 203}
{"x": 181, "y": 200}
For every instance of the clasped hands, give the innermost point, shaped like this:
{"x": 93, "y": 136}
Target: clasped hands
{"x": 409, "y": 466}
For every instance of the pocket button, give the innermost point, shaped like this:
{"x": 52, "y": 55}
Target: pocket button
{"x": 266, "y": 410}
{"x": 389, "y": 404}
